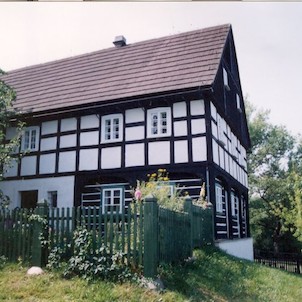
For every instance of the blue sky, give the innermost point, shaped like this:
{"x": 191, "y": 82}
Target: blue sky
{"x": 268, "y": 39}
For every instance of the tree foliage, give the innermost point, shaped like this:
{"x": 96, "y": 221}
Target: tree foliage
{"x": 275, "y": 166}
{"x": 8, "y": 118}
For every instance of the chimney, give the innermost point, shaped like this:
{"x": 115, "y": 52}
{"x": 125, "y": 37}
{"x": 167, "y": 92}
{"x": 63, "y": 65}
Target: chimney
{"x": 119, "y": 41}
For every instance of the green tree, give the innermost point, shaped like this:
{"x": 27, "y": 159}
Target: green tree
{"x": 8, "y": 118}
{"x": 275, "y": 190}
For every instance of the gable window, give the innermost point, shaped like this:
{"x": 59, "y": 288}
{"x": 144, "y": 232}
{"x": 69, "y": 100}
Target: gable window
{"x": 30, "y": 139}
{"x": 112, "y": 128}
{"x": 226, "y": 79}
{"x": 112, "y": 200}
{"x": 238, "y": 102}
{"x": 159, "y": 122}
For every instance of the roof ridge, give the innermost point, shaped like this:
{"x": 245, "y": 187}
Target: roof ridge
{"x": 113, "y": 47}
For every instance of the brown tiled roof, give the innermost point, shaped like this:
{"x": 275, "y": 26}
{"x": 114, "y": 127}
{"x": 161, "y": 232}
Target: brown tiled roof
{"x": 174, "y": 62}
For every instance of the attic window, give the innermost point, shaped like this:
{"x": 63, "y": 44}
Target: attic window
{"x": 238, "y": 102}
{"x": 226, "y": 80}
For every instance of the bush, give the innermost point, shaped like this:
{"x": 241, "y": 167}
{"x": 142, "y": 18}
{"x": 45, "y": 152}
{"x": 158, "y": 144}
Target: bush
{"x": 3, "y": 261}
{"x": 91, "y": 264}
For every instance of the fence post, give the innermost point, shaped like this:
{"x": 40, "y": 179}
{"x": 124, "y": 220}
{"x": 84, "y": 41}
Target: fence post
{"x": 151, "y": 244}
{"x": 38, "y": 252}
{"x": 188, "y": 207}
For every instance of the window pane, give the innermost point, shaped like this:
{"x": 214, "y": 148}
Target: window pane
{"x": 26, "y": 140}
{"x": 33, "y": 139}
{"x": 107, "y": 129}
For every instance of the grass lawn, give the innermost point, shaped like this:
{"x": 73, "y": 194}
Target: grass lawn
{"x": 214, "y": 276}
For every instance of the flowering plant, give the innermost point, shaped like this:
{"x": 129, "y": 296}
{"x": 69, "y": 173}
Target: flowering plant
{"x": 158, "y": 185}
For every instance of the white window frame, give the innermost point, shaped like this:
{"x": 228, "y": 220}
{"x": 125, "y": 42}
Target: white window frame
{"x": 219, "y": 197}
{"x": 163, "y": 125}
{"x": 110, "y": 203}
{"x": 234, "y": 204}
{"x": 32, "y": 144}
{"x": 119, "y": 130}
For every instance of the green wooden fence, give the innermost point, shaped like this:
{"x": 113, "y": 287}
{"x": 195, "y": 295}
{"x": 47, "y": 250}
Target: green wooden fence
{"x": 146, "y": 233}
{"x": 16, "y": 233}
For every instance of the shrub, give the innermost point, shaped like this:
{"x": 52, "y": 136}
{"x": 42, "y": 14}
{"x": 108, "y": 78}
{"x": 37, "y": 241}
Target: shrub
{"x": 91, "y": 264}
{"x": 3, "y": 261}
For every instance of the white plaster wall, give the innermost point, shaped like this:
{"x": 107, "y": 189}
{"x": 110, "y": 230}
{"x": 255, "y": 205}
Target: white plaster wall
{"x": 89, "y": 138}
{"x": 199, "y": 149}
{"x": 12, "y": 169}
{"x": 89, "y": 159}
{"x": 67, "y": 141}
{"x": 135, "y": 155}
{"x": 69, "y": 124}
{"x": 180, "y": 128}
{"x": 135, "y": 133}
{"x": 90, "y": 121}
{"x": 134, "y": 115}
{"x": 159, "y": 153}
{"x": 227, "y": 163}
{"x": 111, "y": 158}
{"x": 181, "y": 151}
{"x": 179, "y": 109}
{"x": 10, "y": 132}
{"x": 241, "y": 248}
{"x": 197, "y": 107}
{"x": 49, "y": 127}
{"x": 67, "y": 161}
{"x": 198, "y": 126}
{"x": 213, "y": 112}
{"x": 28, "y": 165}
{"x": 215, "y": 152}
{"x": 47, "y": 163}
{"x": 221, "y": 157}
{"x": 63, "y": 185}
{"x": 214, "y": 130}
{"x": 48, "y": 143}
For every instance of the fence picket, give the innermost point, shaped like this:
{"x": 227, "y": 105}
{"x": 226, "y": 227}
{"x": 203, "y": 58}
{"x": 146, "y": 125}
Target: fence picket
{"x": 128, "y": 234}
{"x": 125, "y": 231}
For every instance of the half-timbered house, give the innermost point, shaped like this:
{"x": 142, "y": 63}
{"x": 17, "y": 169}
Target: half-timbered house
{"x": 98, "y": 122}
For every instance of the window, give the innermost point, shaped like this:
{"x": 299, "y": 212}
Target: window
{"x": 30, "y": 139}
{"x": 166, "y": 188}
{"x": 243, "y": 208}
{"x": 220, "y": 197}
{"x": 226, "y": 80}
{"x": 52, "y": 199}
{"x": 159, "y": 122}
{"x": 112, "y": 200}
{"x": 112, "y": 128}
{"x": 238, "y": 102}
{"x": 234, "y": 204}
{"x": 29, "y": 199}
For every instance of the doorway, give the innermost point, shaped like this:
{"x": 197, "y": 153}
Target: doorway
{"x": 29, "y": 199}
